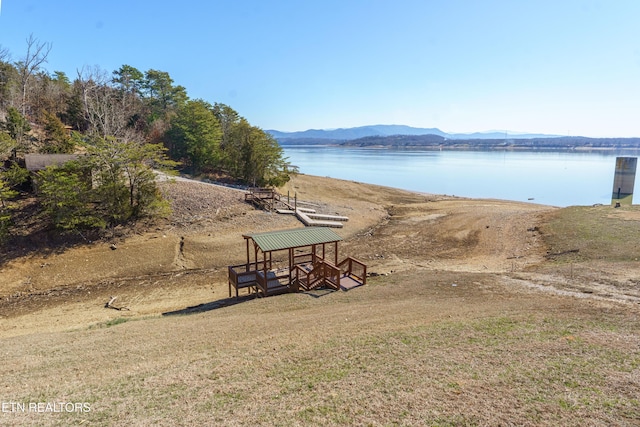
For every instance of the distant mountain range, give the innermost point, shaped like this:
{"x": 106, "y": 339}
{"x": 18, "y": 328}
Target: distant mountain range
{"x": 347, "y": 134}
{"x": 433, "y": 138}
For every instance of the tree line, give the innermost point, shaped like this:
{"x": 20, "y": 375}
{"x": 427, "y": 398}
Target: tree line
{"x": 123, "y": 124}
{"x": 437, "y": 142}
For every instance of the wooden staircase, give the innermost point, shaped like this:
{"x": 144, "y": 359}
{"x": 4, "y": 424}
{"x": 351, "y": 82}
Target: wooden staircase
{"x": 325, "y": 274}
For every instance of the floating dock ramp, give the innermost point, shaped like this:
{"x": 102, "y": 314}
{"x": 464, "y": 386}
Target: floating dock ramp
{"x": 269, "y": 199}
{"x": 311, "y": 218}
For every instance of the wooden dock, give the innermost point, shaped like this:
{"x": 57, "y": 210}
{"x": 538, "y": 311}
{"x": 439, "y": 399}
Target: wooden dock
{"x": 320, "y": 220}
{"x": 271, "y": 200}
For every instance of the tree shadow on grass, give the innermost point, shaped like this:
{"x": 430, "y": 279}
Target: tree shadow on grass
{"x": 209, "y": 306}
{"x": 228, "y": 302}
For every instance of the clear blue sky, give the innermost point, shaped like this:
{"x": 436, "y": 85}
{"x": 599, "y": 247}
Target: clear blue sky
{"x": 551, "y": 66}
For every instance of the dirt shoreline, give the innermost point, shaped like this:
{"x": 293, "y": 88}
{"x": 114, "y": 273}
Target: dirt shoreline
{"x": 182, "y": 262}
{"x": 481, "y": 312}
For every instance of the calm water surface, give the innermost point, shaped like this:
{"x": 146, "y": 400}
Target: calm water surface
{"x": 552, "y": 178}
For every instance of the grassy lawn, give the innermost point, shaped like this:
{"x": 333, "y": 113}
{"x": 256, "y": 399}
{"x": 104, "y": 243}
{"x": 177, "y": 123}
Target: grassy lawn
{"x": 597, "y": 233}
{"x": 419, "y": 347}
{"x": 407, "y": 349}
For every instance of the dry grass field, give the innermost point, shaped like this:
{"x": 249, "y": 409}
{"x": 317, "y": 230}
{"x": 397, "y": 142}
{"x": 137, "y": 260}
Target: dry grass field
{"x": 480, "y": 313}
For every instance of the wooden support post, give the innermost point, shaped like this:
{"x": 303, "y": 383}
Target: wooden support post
{"x": 255, "y": 255}
{"x": 247, "y": 266}
{"x": 266, "y": 278}
{"x": 290, "y": 258}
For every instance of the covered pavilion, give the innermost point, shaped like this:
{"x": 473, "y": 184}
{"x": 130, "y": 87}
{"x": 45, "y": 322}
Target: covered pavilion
{"x": 311, "y": 262}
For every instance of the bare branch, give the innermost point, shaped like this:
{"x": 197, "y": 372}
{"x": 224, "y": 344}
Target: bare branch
{"x": 110, "y": 305}
{"x": 4, "y": 54}
{"x": 104, "y": 107}
{"x": 37, "y": 54}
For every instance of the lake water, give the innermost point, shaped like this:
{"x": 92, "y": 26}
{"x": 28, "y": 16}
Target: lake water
{"x": 551, "y": 178}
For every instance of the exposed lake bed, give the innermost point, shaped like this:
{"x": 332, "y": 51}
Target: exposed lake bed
{"x": 482, "y": 312}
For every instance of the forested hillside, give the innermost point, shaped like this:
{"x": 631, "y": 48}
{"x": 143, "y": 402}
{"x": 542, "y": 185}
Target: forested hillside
{"x": 121, "y": 125}
{"x": 437, "y": 141}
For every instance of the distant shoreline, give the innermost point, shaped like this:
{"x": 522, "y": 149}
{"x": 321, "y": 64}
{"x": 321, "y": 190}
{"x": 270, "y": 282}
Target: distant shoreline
{"x": 488, "y": 148}
{"x": 473, "y": 148}
{"x": 439, "y": 143}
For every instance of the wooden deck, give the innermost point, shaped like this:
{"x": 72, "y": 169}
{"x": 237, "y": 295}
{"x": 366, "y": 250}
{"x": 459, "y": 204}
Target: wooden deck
{"x": 348, "y": 282}
{"x": 277, "y": 282}
{"x": 242, "y": 280}
{"x": 309, "y": 265}
{"x": 305, "y": 276}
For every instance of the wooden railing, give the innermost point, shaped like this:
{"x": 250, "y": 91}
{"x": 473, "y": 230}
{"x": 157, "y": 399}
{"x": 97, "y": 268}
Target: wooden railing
{"x": 323, "y": 273}
{"x": 302, "y": 258}
{"x": 307, "y": 276}
{"x": 354, "y": 268}
{"x": 264, "y": 198}
{"x": 240, "y": 277}
{"x": 331, "y": 275}
{"x": 261, "y": 281}
{"x": 301, "y": 277}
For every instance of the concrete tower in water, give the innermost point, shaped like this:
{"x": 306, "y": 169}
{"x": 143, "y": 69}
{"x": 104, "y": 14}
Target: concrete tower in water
{"x": 624, "y": 180}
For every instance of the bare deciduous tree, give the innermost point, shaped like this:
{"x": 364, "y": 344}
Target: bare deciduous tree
{"x": 106, "y": 108}
{"x": 37, "y": 54}
{"x": 4, "y": 54}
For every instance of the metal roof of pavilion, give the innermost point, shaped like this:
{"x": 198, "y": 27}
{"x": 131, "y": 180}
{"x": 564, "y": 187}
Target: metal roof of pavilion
{"x": 295, "y": 238}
